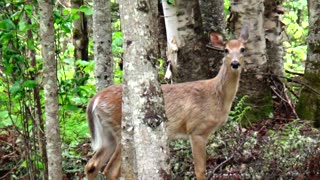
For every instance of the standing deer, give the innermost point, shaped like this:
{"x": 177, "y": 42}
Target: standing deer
{"x": 194, "y": 110}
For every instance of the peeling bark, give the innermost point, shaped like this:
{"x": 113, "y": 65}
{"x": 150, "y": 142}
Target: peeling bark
{"x": 273, "y": 33}
{"x": 192, "y": 60}
{"x": 252, "y": 82}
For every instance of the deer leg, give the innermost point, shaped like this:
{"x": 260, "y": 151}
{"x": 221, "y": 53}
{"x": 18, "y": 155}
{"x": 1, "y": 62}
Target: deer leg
{"x": 112, "y": 170}
{"x": 198, "y": 144}
{"x": 96, "y": 162}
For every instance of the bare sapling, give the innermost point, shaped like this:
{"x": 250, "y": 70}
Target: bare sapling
{"x": 194, "y": 110}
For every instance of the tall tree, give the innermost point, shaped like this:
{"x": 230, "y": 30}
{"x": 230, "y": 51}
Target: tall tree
{"x": 253, "y": 83}
{"x": 38, "y": 118}
{"x": 183, "y": 18}
{"x": 309, "y": 102}
{"x": 102, "y": 37}
{"x": 80, "y": 40}
{"x": 50, "y": 89}
{"x": 144, "y": 141}
{"x": 213, "y": 20}
{"x": 273, "y": 33}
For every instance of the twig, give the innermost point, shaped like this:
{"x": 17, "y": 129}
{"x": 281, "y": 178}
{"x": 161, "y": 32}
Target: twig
{"x": 8, "y": 173}
{"x": 291, "y": 91}
{"x": 291, "y": 80}
{"x": 228, "y": 159}
{"x": 294, "y": 73}
{"x": 273, "y": 90}
{"x": 284, "y": 97}
{"x": 290, "y": 104}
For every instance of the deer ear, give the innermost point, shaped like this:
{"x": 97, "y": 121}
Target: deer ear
{"x": 216, "y": 40}
{"x": 244, "y": 34}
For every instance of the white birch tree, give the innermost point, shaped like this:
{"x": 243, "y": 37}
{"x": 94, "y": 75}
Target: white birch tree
{"x": 186, "y": 40}
{"x": 253, "y": 82}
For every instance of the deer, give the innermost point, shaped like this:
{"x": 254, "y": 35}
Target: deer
{"x": 194, "y": 110}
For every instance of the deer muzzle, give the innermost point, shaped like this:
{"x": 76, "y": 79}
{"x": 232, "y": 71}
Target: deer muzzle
{"x": 235, "y": 64}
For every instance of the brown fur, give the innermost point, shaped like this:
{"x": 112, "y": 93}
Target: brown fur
{"x": 194, "y": 110}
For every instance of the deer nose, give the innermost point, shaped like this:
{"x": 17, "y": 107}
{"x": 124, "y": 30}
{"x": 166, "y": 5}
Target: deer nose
{"x": 235, "y": 64}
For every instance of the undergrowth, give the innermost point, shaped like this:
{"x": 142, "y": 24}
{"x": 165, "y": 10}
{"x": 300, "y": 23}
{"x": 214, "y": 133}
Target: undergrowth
{"x": 271, "y": 149}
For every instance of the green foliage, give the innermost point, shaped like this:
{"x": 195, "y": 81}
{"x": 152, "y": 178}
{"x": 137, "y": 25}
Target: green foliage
{"x": 268, "y": 150}
{"x": 239, "y": 111}
{"x": 296, "y": 22}
{"x": 226, "y": 6}
{"x": 117, "y": 51}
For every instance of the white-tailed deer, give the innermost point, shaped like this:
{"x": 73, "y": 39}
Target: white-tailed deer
{"x": 194, "y": 110}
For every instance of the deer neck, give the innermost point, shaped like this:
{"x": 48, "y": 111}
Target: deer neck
{"x": 226, "y": 85}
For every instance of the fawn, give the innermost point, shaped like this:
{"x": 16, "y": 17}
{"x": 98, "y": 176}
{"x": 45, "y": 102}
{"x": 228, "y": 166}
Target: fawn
{"x": 194, "y": 110}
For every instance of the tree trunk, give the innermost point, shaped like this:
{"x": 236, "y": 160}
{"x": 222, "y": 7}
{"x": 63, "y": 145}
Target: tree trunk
{"x": 309, "y": 102}
{"x": 50, "y": 89}
{"x": 38, "y": 119}
{"x": 192, "y": 62}
{"x": 102, "y": 37}
{"x": 253, "y": 83}
{"x": 144, "y": 141}
{"x": 273, "y": 32}
{"x": 213, "y": 20}
{"x": 80, "y": 41}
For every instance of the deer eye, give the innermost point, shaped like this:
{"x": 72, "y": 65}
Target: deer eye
{"x": 242, "y": 50}
{"x": 226, "y": 51}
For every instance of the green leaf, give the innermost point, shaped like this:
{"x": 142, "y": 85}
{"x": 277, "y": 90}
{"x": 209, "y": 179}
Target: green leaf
{"x": 7, "y": 24}
{"x": 71, "y": 107}
{"x": 29, "y": 83}
{"x": 82, "y": 63}
{"x": 66, "y": 12}
{"x": 24, "y": 164}
{"x": 86, "y": 10}
{"x": 23, "y": 26}
{"x": 30, "y": 44}
{"x": 69, "y": 61}
{"x": 15, "y": 87}
{"x": 5, "y": 121}
{"x": 170, "y": 1}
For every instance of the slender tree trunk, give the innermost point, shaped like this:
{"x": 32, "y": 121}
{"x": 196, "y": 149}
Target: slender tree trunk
{"x": 253, "y": 83}
{"x": 102, "y": 37}
{"x": 38, "y": 120}
{"x": 309, "y": 102}
{"x": 144, "y": 141}
{"x": 185, "y": 22}
{"x": 50, "y": 89}
{"x": 213, "y": 20}
{"x": 80, "y": 41}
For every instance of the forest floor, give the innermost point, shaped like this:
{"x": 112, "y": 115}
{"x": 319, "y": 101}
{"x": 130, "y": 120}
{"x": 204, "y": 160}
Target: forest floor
{"x": 273, "y": 148}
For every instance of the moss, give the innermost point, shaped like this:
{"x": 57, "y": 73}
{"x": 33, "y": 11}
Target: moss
{"x": 308, "y": 107}
{"x": 260, "y": 109}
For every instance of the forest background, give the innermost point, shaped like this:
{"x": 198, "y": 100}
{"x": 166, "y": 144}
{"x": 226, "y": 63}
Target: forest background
{"x": 277, "y": 143}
